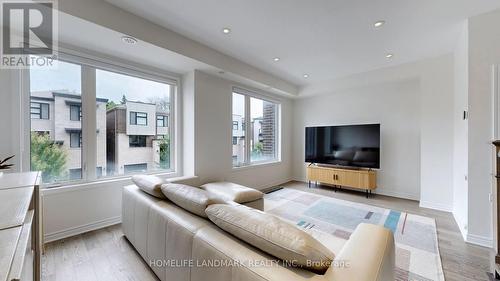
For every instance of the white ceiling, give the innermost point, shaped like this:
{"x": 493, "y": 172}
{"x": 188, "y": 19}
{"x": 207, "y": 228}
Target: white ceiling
{"x": 106, "y": 43}
{"x": 324, "y": 38}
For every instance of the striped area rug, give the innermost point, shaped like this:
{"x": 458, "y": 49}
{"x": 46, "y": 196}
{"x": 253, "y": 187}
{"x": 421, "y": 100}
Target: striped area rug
{"x": 417, "y": 251}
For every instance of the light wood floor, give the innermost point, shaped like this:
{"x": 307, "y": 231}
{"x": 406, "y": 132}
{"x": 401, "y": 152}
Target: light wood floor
{"x": 101, "y": 255}
{"x": 107, "y": 255}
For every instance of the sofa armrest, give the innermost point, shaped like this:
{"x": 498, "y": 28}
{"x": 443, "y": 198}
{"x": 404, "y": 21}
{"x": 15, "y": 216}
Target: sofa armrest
{"x": 368, "y": 255}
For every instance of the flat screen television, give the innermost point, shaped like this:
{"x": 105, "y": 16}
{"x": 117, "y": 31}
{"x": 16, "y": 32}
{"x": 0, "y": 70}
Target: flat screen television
{"x": 348, "y": 146}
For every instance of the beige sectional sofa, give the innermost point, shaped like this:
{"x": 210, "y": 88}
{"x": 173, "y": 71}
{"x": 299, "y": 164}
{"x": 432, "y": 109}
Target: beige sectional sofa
{"x": 181, "y": 246}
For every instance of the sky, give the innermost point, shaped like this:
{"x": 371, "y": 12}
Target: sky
{"x": 109, "y": 85}
{"x": 256, "y": 106}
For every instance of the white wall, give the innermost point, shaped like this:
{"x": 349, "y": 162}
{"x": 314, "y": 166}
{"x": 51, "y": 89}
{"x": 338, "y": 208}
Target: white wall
{"x": 436, "y": 133}
{"x": 484, "y": 52}
{"x": 213, "y": 142}
{"x": 188, "y": 124}
{"x": 12, "y": 136}
{"x": 414, "y": 104}
{"x": 396, "y": 106}
{"x": 460, "y": 155}
{"x": 72, "y": 210}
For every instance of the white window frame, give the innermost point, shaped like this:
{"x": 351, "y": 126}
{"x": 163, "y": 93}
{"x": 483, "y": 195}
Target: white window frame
{"x": 89, "y": 64}
{"x": 247, "y": 124}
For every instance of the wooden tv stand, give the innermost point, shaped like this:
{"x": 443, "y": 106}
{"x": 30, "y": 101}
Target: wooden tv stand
{"x": 359, "y": 179}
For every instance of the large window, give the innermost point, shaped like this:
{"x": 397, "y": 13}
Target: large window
{"x": 239, "y": 154}
{"x": 264, "y": 120}
{"x": 57, "y": 152}
{"x": 99, "y": 127}
{"x": 136, "y": 133}
{"x": 259, "y": 144}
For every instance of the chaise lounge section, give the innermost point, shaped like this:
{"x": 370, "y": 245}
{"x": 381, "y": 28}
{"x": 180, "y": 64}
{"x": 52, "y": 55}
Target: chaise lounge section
{"x": 181, "y": 246}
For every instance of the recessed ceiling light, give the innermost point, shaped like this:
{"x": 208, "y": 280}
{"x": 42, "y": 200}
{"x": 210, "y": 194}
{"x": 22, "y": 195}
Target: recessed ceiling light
{"x": 379, "y": 23}
{"x": 276, "y": 59}
{"x": 226, "y": 30}
{"x": 129, "y": 40}
{"x": 306, "y": 75}
{"x": 389, "y": 56}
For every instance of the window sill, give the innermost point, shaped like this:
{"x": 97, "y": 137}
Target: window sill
{"x": 82, "y": 185}
{"x": 257, "y": 165}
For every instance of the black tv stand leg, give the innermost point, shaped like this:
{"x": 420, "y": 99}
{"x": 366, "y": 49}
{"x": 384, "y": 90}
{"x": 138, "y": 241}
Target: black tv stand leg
{"x": 309, "y": 184}
{"x": 367, "y": 193}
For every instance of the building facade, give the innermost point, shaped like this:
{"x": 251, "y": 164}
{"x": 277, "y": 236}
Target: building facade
{"x": 136, "y": 132}
{"x": 58, "y": 115}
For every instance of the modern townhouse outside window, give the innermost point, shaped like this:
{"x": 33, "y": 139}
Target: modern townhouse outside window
{"x": 260, "y": 143}
{"x": 58, "y": 152}
{"x": 105, "y": 126}
{"x": 137, "y": 133}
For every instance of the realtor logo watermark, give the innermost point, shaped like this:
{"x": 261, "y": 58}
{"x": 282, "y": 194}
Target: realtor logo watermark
{"x": 28, "y": 34}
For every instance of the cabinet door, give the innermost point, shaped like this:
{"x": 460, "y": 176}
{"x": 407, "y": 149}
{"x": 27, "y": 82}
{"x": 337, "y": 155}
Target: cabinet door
{"x": 368, "y": 181}
{"x": 337, "y": 176}
{"x": 320, "y": 175}
{"x": 350, "y": 179}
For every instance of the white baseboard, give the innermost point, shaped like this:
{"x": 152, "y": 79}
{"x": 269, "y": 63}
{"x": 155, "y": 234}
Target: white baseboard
{"x": 460, "y": 224}
{"x": 479, "y": 240}
{"x": 436, "y": 206}
{"x": 50, "y": 237}
{"x": 273, "y": 184}
{"x": 397, "y": 194}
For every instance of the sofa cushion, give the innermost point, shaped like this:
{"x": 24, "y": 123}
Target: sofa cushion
{"x": 272, "y": 235}
{"x": 190, "y": 198}
{"x": 233, "y": 192}
{"x": 149, "y": 184}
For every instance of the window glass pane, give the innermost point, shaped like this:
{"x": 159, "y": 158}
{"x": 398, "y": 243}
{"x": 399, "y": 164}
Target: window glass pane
{"x": 137, "y": 141}
{"x": 44, "y": 108}
{"x": 263, "y": 125}
{"x": 129, "y": 139}
{"x": 238, "y": 132}
{"x": 75, "y": 140}
{"x": 141, "y": 119}
{"x": 75, "y": 112}
{"x": 161, "y": 121}
{"x": 51, "y": 92}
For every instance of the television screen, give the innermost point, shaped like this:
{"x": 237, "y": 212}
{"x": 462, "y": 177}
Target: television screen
{"x": 350, "y": 146}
